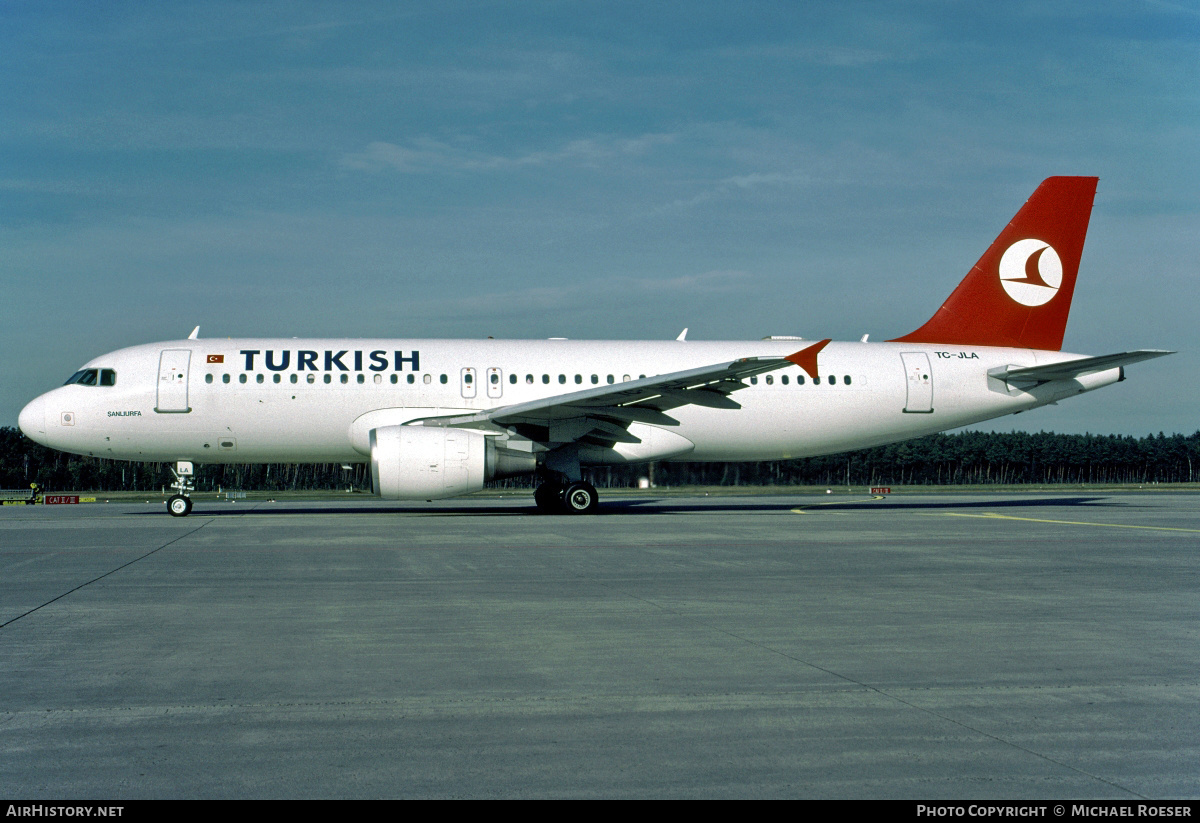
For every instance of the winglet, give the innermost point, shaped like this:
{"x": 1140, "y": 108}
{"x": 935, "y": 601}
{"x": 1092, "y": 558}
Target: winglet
{"x": 807, "y": 358}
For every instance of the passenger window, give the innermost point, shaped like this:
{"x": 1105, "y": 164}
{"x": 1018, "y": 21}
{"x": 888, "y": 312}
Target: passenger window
{"x": 362, "y": 378}
{"x": 846, "y": 380}
{"x": 545, "y": 378}
{"x": 278, "y": 379}
{"x": 242, "y": 378}
{"x": 512, "y": 378}
{"x": 444, "y": 379}
{"x": 625, "y": 378}
{"x": 770, "y": 380}
{"x": 426, "y": 379}
{"x": 412, "y": 378}
{"x": 293, "y": 378}
{"x": 610, "y": 380}
{"x": 753, "y": 381}
{"x": 595, "y": 379}
{"x": 312, "y": 378}
{"x": 799, "y": 380}
{"x": 208, "y": 378}
{"x": 328, "y": 378}
{"x": 783, "y": 379}
{"x": 396, "y": 379}
{"x": 378, "y": 379}
{"x": 224, "y": 378}
{"x": 345, "y": 378}
{"x": 259, "y": 379}
{"x": 562, "y": 378}
{"x": 529, "y": 379}
{"x": 578, "y": 378}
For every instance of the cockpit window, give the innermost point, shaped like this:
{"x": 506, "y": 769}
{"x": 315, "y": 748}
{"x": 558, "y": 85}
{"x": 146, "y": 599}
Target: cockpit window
{"x": 93, "y": 377}
{"x": 84, "y": 377}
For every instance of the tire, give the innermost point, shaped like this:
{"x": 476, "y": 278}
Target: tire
{"x": 580, "y": 498}
{"x": 179, "y": 506}
{"x": 548, "y": 497}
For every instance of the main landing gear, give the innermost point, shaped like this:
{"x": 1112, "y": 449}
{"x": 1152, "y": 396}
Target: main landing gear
{"x": 180, "y": 504}
{"x": 574, "y": 497}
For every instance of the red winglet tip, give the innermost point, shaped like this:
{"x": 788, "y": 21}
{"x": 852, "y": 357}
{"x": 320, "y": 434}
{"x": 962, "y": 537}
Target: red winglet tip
{"x": 807, "y": 358}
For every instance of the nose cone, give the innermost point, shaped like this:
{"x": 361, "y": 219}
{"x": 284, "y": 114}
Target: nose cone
{"x": 32, "y": 420}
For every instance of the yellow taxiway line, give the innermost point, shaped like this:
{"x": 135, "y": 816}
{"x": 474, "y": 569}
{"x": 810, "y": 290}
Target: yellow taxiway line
{"x": 992, "y": 516}
{"x": 800, "y": 509}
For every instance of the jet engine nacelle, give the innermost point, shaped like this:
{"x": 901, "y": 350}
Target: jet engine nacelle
{"x": 425, "y": 463}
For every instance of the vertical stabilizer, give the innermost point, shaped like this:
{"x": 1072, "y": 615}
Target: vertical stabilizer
{"x": 1019, "y": 293}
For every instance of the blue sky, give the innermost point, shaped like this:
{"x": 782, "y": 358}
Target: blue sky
{"x": 588, "y": 170}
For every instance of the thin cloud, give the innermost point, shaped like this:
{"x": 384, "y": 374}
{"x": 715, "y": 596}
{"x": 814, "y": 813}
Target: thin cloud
{"x": 836, "y": 56}
{"x": 738, "y": 183}
{"x": 623, "y": 289}
{"x": 425, "y": 155}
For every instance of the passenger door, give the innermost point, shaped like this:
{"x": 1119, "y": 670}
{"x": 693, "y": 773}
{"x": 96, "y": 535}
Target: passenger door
{"x": 173, "y": 381}
{"x": 920, "y": 383}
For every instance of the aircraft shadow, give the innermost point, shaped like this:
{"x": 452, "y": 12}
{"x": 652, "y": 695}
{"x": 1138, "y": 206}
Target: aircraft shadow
{"x": 661, "y": 505}
{"x": 646, "y": 507}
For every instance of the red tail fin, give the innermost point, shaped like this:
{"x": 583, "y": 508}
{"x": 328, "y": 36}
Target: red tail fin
{"x": 1019, "y": 293}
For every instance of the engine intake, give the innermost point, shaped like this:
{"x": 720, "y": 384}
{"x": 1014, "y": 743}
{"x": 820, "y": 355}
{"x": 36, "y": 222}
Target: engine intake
{"x": 425, "y": 463}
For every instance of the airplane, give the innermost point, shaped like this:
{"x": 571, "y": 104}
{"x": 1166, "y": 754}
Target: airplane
{"x": 440, "y": 418}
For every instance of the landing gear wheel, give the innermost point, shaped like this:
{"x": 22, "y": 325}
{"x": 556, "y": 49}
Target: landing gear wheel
{"x": 179, "y": 506}
{"x": 580, "y": 498}
{"x": 548, "y": 497}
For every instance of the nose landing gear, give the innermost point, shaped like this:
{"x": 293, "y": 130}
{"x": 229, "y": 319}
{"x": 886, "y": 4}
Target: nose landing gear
{"x": 180, "y": 504}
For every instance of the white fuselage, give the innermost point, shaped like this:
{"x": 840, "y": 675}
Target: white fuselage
{"x": 315, "y": 400}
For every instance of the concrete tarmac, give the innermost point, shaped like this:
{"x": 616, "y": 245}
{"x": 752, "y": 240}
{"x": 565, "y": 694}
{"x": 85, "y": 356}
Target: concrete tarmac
{"x": 965, "y": 646}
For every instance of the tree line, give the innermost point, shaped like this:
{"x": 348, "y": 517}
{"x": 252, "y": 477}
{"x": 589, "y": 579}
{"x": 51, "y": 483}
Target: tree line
{"x": 939, "y": 459}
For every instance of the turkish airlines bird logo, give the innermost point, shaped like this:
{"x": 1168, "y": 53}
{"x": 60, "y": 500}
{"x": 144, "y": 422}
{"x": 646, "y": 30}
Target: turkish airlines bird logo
{"x": 1031, "y": 272}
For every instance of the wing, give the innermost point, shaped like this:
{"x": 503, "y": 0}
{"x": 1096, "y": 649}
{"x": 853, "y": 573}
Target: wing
{"x": 603, "y": 414}
{"x": 1070, "y": 369}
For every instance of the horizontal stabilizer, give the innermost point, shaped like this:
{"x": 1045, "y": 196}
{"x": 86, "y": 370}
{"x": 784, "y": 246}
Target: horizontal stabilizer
{"x": 1070, "y": 369}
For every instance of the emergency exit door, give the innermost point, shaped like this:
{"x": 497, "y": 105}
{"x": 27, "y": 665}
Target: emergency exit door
{"x": 468, "y": 382}
{"x": 495, "y": 382}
